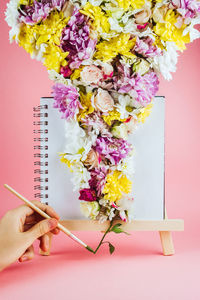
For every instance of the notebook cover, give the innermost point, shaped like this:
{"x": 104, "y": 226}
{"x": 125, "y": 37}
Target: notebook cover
{"x": 148, "y": 183}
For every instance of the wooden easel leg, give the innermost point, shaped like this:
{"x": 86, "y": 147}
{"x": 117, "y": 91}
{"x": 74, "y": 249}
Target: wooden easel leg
{"x": 167, "y": 242}
{"x": 50, "y": 235}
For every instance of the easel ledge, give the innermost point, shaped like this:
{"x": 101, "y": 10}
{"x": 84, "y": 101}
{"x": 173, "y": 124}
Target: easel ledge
{"x": 164, "y": 227}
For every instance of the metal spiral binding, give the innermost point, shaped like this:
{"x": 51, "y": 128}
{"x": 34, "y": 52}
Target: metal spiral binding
{"x": 40, "y": 131}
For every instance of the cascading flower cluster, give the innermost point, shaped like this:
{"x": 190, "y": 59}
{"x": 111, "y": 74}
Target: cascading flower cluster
{"x": 104, "y": 57}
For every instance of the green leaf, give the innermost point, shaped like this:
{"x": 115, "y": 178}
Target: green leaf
{"x": 116, "y": 228}
{"x": 111, "y": 248}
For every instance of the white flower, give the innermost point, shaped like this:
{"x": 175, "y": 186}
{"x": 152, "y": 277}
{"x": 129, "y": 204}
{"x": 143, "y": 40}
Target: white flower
{"x": 126, "y": 106}
{"x": 166, "y": 63}
{"x": 126, "y": 166}
{"x": 193, "y": 32}
{"x": 90, "y": 209}
{"x": 81, "y": 176}
{"x": 126, "y": 207}
{"x": 79, "y": 146}
{"x": 11, "y": 18}
{"x": 58, "y": 78}
{"x": 120, "y": 131}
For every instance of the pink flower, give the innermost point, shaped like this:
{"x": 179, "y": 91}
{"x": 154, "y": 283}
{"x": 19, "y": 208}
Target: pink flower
{"x": 103, "y": 101}
{"x": 76, "y": 39}
{"x": 39, "y": 10}
{"x": 66, "y": 100}
{"x": 87, "y": 195}
{"x": 91, "y": 74}
{"x": 98, "y": 179}
{"x": 146, "y": 48}
{"x": 112, "y": 149}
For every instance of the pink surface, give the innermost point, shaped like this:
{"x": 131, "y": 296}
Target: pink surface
{"x": 137, "y": 270}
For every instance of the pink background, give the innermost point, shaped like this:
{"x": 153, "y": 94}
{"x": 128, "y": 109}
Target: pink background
{"x": 137, "y": 270}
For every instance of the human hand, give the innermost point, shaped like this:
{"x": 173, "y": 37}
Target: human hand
{"x": 20, "y": 227}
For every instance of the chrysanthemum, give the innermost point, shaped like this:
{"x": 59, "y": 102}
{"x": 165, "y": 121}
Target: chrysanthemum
{"x": 117, "y": 184}
{"x": 169, "y": 31}
{"x": 112, "y": 149}
{"x": 39, "y": 10}
{"x": 122, "y": 44}
{"x": 76, "y": 40}
{"x": 98, "y": 179}
{"x": 66, "y": 100}
{"x": 146, "y": 48}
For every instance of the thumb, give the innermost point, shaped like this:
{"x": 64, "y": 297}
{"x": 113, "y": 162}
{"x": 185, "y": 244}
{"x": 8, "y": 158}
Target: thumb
{"x": 42, "y": 227}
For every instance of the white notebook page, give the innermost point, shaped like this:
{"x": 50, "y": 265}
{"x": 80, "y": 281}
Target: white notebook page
{"x": 148, "y": 183}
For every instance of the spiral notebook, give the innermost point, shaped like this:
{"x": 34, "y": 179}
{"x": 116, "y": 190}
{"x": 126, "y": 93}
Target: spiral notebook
{"x": 53, "y": 178}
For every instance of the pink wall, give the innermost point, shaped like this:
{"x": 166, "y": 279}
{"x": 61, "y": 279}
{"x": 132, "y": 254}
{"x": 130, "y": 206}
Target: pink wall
{"x": 23, "y": 81}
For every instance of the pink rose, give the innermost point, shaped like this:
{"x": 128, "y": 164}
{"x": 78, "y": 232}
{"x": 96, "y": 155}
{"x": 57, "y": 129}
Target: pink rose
{"x": 143, "y": 16}
{"x": 92, "y": 159}
{"x": 103, "y": 101}
{"x": 91, "y": 74}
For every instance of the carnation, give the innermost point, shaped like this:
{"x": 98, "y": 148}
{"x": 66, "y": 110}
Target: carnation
{"x": 87, "y": 195}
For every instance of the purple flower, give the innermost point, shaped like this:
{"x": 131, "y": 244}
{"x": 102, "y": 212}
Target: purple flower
{"x": 146, "y": 87}
{"x": 98, "y": 179}
{"x": 76, "y": 40}
{"x": 146, "y": 48}
{"x": 87, "y": 195}
{"x": 187, "y": 8}
{"x": 112, "y": 148}
{"x": 39, "y": 10}
{"x": 140, "y": 87}
{"x": 66, "y": 99}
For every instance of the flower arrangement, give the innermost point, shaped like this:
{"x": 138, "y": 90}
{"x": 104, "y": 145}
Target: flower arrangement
{"x": 104, "y": 57}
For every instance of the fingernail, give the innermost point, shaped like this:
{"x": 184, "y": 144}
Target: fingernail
{"x": 24, "y": 258}
{"x": 52, "y": 223}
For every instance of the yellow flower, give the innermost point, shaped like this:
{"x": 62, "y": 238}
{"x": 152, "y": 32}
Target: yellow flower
{"x": 167, "y": 31}
{"x": 65, "y": 160}
{"x": 135, "y": 4}
{"x": 121, "y": 44}
{"x": 76, "y": 74}
{"x": 116, "y": 185}
{"x": 49, "y": 33}
{"x": 27, "y": 38}
{"x": 50, "y": 30}
{"x": 113, "y": 115}
{"x": 145, "y": 112}
{"x": 54, "y": 58}
{"x": 85, "y": 100}
{"x": 99, "y": 19}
